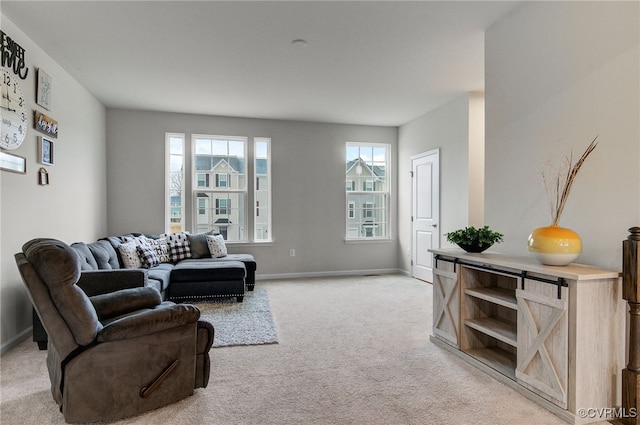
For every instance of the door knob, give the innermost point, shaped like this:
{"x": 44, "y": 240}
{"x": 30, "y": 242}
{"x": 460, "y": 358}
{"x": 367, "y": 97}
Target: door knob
{"x": 434, "y": 225}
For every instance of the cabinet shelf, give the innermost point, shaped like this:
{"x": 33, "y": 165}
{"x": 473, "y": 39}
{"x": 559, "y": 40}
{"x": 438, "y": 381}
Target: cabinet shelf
{"x": 495, "y": 328}
{"x": 501, "y": 296}
{"x": 496, "y": 358}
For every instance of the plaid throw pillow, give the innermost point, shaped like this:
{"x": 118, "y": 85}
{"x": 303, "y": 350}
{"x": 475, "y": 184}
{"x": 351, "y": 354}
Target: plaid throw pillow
{"x": 179, "y": 248}
{"x": 148, "y": 257}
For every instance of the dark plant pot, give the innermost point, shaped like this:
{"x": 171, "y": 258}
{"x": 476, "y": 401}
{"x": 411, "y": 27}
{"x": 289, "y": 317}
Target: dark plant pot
{"x": 474, "y": 247}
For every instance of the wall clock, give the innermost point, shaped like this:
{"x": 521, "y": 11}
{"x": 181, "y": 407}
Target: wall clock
{"x": 13, "y": 106}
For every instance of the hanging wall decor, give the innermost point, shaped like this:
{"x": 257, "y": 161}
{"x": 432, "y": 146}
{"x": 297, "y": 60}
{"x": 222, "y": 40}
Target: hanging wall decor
{"x": 45, "y": 124}
{"x": 13, "y": 56}
{"x": 43, "y": 176}
{"x": 45, "y": 151}
{"x": 43, "y": 90}
{"x": 13, "y": 163}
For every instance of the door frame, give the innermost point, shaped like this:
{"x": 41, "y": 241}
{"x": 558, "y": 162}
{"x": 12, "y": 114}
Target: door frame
{"x": 435, "y": 186}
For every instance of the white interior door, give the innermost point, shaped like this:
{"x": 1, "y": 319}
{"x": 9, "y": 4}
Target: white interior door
{"x": 425, "y": 233}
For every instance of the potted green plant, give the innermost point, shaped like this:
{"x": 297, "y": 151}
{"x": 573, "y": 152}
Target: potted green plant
{"x": 473, "y": 239}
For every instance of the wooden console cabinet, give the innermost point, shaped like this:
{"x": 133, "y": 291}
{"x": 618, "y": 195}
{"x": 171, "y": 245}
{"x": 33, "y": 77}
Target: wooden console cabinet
{"x": 555, "y": 334}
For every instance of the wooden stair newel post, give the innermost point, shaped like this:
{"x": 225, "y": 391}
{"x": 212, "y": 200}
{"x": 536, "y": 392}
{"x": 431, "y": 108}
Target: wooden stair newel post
{"x": 631, "y": 293}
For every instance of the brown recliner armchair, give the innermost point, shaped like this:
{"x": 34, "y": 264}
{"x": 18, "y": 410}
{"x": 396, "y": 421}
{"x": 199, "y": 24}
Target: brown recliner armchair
{"x": 113, "y": 355}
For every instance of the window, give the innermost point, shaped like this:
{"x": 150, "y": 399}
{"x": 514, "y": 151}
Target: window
{"x": 227, "y": 177}
{"x": 367, "y": 210}
{"x": 203, "y": 180}
{"x": 262, "y": 190}
{"x": 221, "y": 206}
{"x": 202, "y": 206}
{"x": 175, "y": 193}
{"x": 223, "y": 160}
{"x": 222, "y": 180}
{"x": 367, "y": 190}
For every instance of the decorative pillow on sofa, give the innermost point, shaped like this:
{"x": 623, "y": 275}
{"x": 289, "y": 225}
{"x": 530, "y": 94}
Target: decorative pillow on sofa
{"x": 161, "y": 249}
{"x": 147, "y": 255}
{"x": 129, "y": 254}
{"x": 198, "y": 244}
{"x": 179, "y": 248}
{"x": 216, "y": 246}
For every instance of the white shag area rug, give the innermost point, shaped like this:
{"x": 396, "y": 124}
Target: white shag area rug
{"x": 247, "y": 323}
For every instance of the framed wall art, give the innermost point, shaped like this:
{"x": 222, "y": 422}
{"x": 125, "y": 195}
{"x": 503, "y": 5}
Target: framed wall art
{"x": 43, "y": 89}
{"x": 13, "y": 163}
{"x": 45, "y": 151}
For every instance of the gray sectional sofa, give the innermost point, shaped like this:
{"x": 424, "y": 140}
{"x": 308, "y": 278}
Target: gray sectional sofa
{"x": 189, "y": 274}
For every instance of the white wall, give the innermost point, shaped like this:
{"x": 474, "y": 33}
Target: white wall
{"x": 73, "y": 206}
{"x": 308, "y": 184}
{"x": 557, "y": 75}
{"x": 454, "y": 128}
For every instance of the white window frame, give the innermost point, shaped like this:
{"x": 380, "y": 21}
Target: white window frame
{"x": 170, "y": 225}
{"x": 383, "y": 190}
{"x": 259, "y": 189}
{"x": 215, "y": 192}
{"x": 255, "y": 189}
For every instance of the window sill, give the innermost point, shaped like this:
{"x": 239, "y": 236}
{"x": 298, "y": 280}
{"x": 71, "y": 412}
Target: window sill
{"x": 368, "y": 240}
{"x": 248, "y": 243}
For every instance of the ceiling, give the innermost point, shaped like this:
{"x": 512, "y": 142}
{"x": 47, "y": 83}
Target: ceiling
{"x": 364, "y": 62}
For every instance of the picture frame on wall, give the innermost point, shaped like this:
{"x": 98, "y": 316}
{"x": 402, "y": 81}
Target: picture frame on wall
{"x": 13, "y": 163}
{"x": 45, "y": 150}
{"x": 43, "y": 89}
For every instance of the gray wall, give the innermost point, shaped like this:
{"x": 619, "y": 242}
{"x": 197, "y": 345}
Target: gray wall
{"x": 73, "y": 206}
{"x": 557, "y": 75}
{"x": 450, "y": 128}
{"x": 308, "y": 185}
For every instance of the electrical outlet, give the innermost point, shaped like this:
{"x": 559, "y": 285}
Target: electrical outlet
{"x": 292, "y": 253}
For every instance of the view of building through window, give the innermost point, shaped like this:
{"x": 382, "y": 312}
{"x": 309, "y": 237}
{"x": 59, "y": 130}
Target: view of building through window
{"x": 220, "y": 185}
{"x": 220, "y": 193}
{"x": 262, "y": 190}
{"x": 175, "y": 182}
{"x": 367, "y": 188}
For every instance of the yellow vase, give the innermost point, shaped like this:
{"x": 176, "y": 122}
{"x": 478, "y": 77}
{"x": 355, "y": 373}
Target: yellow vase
{"x": 555, "y": 245}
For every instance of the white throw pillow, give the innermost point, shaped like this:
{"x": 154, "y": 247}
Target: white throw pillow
{"x": 129, "y": 254}
{"x": 217, "y": 248}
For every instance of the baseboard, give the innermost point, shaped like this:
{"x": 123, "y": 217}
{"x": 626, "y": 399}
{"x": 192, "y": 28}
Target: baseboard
{"x": 327, "y": 274}
{"x": 15, "y": 341}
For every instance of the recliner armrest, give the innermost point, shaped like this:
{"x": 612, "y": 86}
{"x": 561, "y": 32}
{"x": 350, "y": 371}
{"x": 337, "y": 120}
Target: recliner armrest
{"x": 97, "y": 282}
{"x": 144, "y": 322}
{"x": 125, "y": 301}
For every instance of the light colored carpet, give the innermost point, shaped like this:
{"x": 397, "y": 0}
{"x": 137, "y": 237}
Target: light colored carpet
{"x": 247, "y": 323}
{"x": 351, "y": 350}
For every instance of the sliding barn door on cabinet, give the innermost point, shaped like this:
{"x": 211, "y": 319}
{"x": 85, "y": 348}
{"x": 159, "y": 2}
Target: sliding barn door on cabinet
{"x": 543, "y": 335}
{"x": 446, "y": 303}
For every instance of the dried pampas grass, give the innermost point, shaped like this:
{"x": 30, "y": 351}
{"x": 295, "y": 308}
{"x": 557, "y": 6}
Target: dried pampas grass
{"x": 559, "y": 185}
